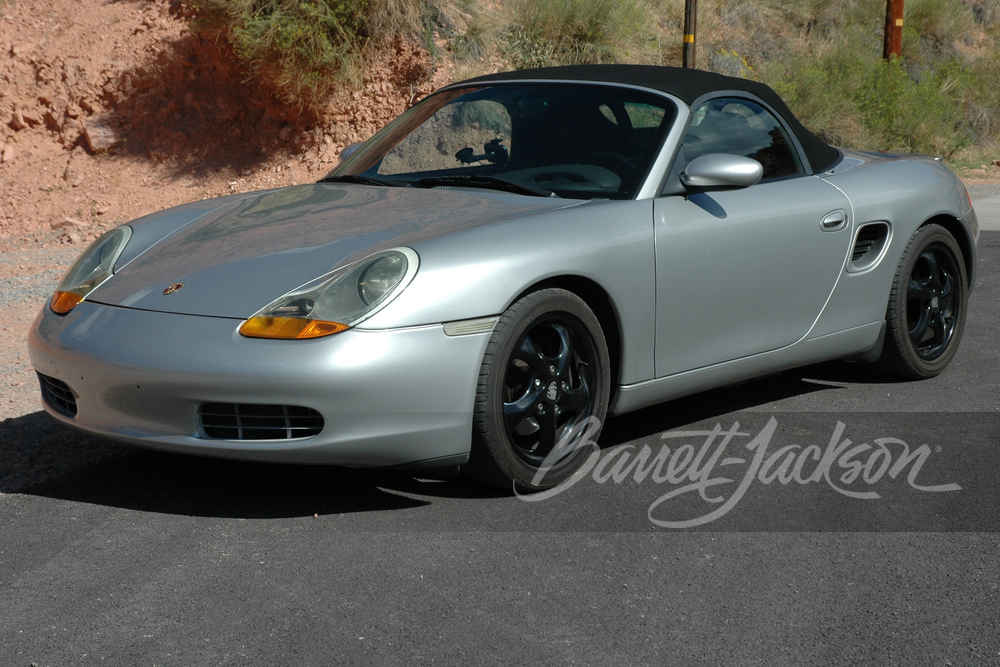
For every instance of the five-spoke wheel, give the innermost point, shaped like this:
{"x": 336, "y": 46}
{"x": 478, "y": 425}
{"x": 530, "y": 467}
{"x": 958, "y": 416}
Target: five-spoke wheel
{"x": 544, "y": 378}
{"x": 926, "y": 312}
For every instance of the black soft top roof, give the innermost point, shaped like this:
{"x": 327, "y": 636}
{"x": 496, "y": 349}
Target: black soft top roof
{"x": 686, "y": 84}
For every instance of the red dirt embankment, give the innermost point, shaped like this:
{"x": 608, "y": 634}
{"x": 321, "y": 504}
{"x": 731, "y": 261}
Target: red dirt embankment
{"x": 111, "y": 109}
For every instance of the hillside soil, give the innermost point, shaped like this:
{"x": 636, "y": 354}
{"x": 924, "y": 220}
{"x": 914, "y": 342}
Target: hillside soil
{"x": 111, "y": 109}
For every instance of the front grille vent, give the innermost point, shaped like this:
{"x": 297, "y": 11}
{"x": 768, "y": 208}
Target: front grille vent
{"x": 58, "y": 395}
{"x": 248, "y": 421}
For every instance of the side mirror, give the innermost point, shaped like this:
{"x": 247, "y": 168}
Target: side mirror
{"x": 349, "y": 150}
{"x": 719, "y": 171}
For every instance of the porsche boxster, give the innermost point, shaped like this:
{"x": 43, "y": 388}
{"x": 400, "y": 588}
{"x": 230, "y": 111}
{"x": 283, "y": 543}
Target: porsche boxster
{"x": 514, "y": 257}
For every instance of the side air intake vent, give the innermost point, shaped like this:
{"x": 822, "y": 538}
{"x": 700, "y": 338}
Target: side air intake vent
{"x": 862, "y": 248}
{"x": 869, "y": 246}
{"x": 248, "y": 421}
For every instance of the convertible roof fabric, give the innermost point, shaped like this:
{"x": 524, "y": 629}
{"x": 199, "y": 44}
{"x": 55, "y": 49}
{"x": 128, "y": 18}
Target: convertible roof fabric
{"x": 686, "y": 84}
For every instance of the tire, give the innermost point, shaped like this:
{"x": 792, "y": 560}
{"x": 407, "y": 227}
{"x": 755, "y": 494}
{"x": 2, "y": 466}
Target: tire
{"x": 927, "y": 306}
{"x": 545, "y": 373}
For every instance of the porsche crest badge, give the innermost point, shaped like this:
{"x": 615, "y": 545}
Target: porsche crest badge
{"x": 173, "y": 288}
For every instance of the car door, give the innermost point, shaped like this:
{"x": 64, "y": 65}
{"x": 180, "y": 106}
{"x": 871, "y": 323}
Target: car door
{"x": 744, "y": 271}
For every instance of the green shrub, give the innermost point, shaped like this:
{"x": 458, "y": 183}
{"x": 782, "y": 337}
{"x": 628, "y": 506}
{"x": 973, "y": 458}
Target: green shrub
{"x": 824, "y": 58}
{"x": 924, "y": 116}
{"x": 938, "y": 21}
{"x": 303, "y": 47}
{"x": 982, "y": 95}
{"x": 525, "y": 50}
{"x": 821, "y": 85}
{"x": 563, "y": 32}
{"x": 472, "y": 44}
{"x": 840, "y": 86}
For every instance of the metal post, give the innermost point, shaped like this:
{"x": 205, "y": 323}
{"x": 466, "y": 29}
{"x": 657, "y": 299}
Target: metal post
{"x": 893, "y": 44}
{"x": 690, "y": 16}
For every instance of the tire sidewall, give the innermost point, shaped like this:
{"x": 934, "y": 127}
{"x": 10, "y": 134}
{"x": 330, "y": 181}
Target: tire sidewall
{"x": 491, "y": 430}
{"x": 915, "y": 365}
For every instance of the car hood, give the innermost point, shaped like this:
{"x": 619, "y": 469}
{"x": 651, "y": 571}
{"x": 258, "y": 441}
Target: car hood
{"x": 234, "y": 260}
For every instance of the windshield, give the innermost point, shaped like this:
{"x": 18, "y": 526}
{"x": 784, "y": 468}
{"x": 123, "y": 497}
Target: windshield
{"x": 568, "y": 140}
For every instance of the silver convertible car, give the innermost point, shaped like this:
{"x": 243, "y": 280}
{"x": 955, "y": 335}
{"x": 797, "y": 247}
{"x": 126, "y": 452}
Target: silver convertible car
{"x": 508, "y": 262}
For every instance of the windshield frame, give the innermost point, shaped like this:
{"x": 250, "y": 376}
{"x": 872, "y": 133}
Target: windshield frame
{"x": 366, "y": 159}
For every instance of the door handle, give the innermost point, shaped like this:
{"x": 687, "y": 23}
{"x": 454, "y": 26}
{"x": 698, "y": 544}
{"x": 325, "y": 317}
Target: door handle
{"x": 834, "y": 221}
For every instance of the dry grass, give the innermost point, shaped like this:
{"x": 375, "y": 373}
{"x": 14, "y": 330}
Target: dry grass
{"x": 823, "y": 57}
{"x": 825, "y": 60}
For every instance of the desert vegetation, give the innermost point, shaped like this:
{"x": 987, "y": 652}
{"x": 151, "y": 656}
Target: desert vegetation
{"x": 112, "y": 109}
{"x": 941, "y": 97}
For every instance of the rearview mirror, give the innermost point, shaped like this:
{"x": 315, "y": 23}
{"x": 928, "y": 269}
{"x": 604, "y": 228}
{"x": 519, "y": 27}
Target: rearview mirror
{"x": 717, "y": 171}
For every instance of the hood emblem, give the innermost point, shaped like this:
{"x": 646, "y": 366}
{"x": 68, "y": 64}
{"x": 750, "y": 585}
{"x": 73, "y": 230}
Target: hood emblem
{"x": 173, "y": 288}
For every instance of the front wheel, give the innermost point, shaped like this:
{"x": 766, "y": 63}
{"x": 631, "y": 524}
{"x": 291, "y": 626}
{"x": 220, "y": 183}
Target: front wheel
{"x": 926, "y": 312}
{"x": 545, "y": 379}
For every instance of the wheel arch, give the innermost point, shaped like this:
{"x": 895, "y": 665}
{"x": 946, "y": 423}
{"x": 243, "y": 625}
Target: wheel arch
{"x": 962, "y": 238}
{"x": 598, "y": 300}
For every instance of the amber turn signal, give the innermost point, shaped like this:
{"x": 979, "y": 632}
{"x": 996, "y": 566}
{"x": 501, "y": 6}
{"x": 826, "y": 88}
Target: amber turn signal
{"x": 63, "y": 302}
{"x": 289, "y": 327}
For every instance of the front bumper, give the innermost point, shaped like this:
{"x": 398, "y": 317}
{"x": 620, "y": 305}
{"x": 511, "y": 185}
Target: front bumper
{"x": 970, "y": 222}
{"x": 388, "y": 398}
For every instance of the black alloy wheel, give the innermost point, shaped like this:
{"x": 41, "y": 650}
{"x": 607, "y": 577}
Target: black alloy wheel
{"x": 931, "y": 299}
{"x": 927, "y": 307}
{"x": 544, "y": 377}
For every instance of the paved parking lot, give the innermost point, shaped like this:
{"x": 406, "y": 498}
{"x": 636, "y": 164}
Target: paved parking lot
{"x": 147, "y": 558}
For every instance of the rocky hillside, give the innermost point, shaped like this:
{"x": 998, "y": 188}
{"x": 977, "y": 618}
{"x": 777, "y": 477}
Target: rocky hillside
{"x": 110, "y": 109}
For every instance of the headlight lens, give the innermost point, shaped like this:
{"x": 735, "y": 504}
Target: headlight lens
{"x": 379, "y": 277}
{"x": 93, "y": 267}
{"x": 336, "y": 302}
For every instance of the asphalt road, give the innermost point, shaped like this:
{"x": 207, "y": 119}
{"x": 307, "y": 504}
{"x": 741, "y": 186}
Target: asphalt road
{"x": 147, "y": 558}
{"x": 989, "y": 212}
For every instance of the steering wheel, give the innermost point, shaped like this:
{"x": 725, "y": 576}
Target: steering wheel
{"x": 569, "y": 177}
{"x": 616, "y": 162}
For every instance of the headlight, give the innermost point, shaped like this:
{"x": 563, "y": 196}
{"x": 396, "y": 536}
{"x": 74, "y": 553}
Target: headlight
{"x": 93, "y": 267}
{"x": 336, "y": 302}
{"x": 380, "y": 277}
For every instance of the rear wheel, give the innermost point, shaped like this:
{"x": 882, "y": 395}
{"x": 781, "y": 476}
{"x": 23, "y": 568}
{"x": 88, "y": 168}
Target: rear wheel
{"x": 544, "y": 377}
{"x": 926, "y": 312}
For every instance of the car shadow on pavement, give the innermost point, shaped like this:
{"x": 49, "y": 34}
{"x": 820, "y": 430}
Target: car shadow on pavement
{"x": 850, "y": 372}
{"x": 60, "y": 463}
{"x": 681, "y": 412}
{"x": 63, "y": 464}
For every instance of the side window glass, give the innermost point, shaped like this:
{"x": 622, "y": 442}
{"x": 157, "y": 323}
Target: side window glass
{"x": 742, "y": 127}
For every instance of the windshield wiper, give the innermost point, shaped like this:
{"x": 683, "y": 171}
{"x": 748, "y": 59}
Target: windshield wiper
{"x": 480, "y": 181}
{"x": 362, "y": 180}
